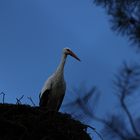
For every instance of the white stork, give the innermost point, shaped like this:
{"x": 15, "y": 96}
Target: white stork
{"x": 53, "y": 91}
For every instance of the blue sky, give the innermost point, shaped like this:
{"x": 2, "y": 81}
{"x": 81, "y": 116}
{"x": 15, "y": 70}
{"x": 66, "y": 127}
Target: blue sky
{"x": 33, "y": 33}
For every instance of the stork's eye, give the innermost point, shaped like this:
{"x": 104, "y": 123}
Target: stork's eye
{"x": 68, "y": 49}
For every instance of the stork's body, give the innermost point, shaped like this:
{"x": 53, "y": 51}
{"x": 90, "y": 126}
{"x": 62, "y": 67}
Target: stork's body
{"x": 53, "y": 91}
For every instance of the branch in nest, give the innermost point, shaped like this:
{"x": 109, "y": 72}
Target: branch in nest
{"x": 19, "y": 100}
{"x": 30, "y": 98}
{"x": 3, "y": 97}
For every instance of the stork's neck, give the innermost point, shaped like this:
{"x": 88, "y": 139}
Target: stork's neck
{"x": 60, "y": 68}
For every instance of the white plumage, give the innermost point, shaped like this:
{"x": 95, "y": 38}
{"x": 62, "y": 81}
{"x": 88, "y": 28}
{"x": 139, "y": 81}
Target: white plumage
{"x": 53, "y": 91}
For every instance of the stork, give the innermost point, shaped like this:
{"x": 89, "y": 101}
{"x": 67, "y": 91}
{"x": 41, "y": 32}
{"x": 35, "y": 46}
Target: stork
{"x": 53, "y": 91}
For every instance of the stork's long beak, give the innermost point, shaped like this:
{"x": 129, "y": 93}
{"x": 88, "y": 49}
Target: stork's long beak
{"x": 74, "y": 55}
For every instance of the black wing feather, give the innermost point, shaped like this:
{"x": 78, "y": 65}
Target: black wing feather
{"x": 60, "y": 103}
{"x": 44, "y": 98}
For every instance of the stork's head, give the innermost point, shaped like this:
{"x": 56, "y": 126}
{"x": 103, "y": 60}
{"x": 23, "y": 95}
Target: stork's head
{"x": 67, "y": 51}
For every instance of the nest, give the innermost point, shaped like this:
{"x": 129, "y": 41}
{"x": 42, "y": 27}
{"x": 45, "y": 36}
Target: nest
{"x": 23, "y": 122}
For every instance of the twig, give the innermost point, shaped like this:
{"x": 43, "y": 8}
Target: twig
{"x": 30, "y": 98}
{"x": 124, "y": 106}
{"x": 19, "y": 100}
{"x": 3, "y": 97}
{"x": 95, "y": 131}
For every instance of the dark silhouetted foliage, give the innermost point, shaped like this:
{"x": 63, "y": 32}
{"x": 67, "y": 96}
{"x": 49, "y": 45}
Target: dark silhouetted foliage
{"x": 22, "y": 122}
{"x": 125, "y": 17}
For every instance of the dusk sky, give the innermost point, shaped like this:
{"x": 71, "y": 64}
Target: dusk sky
{"x": 33, "y": 34}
